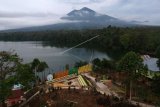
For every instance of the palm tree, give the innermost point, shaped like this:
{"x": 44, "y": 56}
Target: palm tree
{"x": 42, "y": 67}
{"x": 38, "y": 66}
{"x": 34, "y": 65}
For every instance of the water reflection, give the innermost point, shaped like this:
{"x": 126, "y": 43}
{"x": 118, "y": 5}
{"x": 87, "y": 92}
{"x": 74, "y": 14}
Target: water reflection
{"x": 30, "y": 50}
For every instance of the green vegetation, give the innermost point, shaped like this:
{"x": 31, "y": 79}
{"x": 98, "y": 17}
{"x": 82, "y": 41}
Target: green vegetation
{"x": 24, "y": 75}
{"x": 158, "y": 63}
{"x": 158, "y": 56}
{"x": 38, "y": 66}
{"x": 158, "y": 52}
{"x": 80, "y": 63}
{"x": 5, "y": 89}
{"x": 9, "y": 61}
{"x": 103, "y": 66}
{"x": 141, "y": 40}
{"x": 13, "y": 71}
{"x": 130, "y": 76}
{"x": 155, "y": 85}
{"x": 132, "y": 65}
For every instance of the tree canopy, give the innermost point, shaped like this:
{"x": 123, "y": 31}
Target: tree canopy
{"x": 103, "y": 65}
{"x": 155, "y": 85}
{"x": 158, "y": 52}
{"x": 158, "y": 56}
{"x": 13, "y": 71}
{"x": 138, "y": 39}
{"x": 24, "y": 75}
{"x": 132, "y": 65}
{"x": 38, "y": 65}
{"x": 9, "y": 61}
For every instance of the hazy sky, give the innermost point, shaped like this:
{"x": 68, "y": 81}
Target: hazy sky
{"x": 22, "y": 13}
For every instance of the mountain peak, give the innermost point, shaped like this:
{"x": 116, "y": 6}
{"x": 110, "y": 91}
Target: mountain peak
{"x": 86, "y": 9}
{"x": 88, "y": 15}
{"x": 82, "y": 12}
{"x": 82, "y": 19}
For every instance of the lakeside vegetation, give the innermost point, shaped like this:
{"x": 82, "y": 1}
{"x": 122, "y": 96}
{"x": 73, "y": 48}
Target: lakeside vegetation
{"x": 139, "y": 39}
{"x": 115, "y": 41}
{"x": 129, "y": 75}
{"x": 128, "y": 65}
{"x": 133, "y": 77}
{"x": 13, "y": 71}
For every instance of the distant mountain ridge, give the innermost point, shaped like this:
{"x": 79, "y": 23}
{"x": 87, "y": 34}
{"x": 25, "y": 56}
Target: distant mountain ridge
{"x": 84, "y": 18}
{"x": 86, "y": 14}
{"x": 84, "y": 11}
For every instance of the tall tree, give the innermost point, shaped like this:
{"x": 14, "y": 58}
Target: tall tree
{"x": 8, "y": 63}
{"x": 24, "y": 75}
{"x": 158, "y": 52}
{"x": 38, "y": 66}
{"x": 34, "y": 66}
{"x": 158, "y": 56}
{"x": 42, "y": 67}
{"x": 132, "y": 65}
{"x": 35, "y": 63}
{"x": 12, "y": 70}
{"x": 155, "y": 85}
{"x": 125, "y": 40}
{"x": 158, "y": 63}
{"x": 103, "y": 65}
{"x": 5, "y": 89}
{"x": 96, "y": 64}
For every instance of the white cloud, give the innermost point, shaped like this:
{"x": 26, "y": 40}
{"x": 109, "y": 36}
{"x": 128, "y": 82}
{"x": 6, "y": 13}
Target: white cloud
{"x": 21, "y": 13}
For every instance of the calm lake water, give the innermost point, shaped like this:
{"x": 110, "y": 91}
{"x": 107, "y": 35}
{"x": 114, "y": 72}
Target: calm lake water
{"x": 52, "y": 55}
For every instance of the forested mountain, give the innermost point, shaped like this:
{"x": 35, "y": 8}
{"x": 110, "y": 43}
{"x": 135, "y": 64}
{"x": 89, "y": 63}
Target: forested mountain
{"x": 87, "y": 15}
{"x": 84, "y": 18}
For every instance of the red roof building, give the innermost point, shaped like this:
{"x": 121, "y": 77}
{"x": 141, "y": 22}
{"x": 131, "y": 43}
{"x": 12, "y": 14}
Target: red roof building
{"x": 15, "y": 97}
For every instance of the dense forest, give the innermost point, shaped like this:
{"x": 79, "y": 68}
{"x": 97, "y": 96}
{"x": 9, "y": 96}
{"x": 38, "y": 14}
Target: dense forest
{"x": 140, "y": 39}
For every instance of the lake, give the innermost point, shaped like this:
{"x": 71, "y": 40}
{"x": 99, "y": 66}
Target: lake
{"x": 52, "y": 55}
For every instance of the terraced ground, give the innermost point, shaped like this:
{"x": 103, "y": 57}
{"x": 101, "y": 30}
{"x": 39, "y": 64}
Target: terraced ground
{"x": 75, "y": 98}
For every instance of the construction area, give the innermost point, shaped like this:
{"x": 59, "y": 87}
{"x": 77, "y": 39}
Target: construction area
{"x": 73, "y": 91}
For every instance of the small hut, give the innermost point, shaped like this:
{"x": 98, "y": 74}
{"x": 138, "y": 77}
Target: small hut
{"x": 16, "y": 96}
